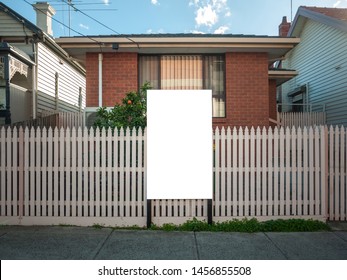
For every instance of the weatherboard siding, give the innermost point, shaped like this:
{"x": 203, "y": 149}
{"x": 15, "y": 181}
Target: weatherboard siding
{"x": 10, "y": 27}
{"x": 69, "y": 82}
{"x": 321, "y": 60}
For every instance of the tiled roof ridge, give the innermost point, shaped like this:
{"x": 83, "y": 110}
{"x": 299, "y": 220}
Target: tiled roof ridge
{"x": 338, "y": 13}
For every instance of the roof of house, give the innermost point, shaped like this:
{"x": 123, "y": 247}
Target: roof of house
{"x": 334, "y": 17}
{"x": 338, "y": 13}
{"x": 16, "y": 52}
{"x": 41, "y": 35}
{"x": 12, "y": 13}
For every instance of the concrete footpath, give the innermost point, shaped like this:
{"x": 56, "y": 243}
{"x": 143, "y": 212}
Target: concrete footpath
{"x": 83, "y": 243}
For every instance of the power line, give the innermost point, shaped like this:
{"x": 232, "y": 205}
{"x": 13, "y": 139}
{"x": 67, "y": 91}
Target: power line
{"x": 97, "y": 21}
{"x": 79, "y": 33}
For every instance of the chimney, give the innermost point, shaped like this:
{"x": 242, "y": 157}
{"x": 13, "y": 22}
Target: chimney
{"x": 284, "y": 27}
{"x": 44, "y": 14}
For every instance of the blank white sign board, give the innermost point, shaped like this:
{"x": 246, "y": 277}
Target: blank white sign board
{"x": 179, "y": 144}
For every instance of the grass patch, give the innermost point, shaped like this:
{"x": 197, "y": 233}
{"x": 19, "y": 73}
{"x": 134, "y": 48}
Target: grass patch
{"x": 248, "y": 225}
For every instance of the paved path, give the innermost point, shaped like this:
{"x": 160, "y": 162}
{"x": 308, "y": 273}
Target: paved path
{"x": 82, "y": 243}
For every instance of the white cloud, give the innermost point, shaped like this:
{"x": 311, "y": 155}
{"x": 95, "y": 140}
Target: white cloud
{"x": 210, "y": 12}
{"x": 206, "y": 16}
{"x": 194, "y": 3}
{"x": 155, "y": 2}
{"x": 106, "y": 2}
{"x": 83, "y": 26}
{"x": 221, "y": 30}
{"x": 337, "y": 4}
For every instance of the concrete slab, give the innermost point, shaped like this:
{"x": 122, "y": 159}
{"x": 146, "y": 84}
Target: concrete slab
{"x": 337, "y": 225}
{"x": 51, "y": 243}
{"x": 341, "y": 234}
{"x": 310, "y": 245}
{"x": 149, "y": 245}
{"x": 236, "y": 246}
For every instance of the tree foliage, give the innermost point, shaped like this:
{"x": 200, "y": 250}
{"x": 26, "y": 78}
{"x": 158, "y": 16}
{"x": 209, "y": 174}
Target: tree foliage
{"x": 130, "y": 113}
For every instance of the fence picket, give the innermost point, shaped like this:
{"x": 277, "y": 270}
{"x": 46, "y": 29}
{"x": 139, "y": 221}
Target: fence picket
{"x": 50, "y": 184}
{"x": 294, "y": 171}
{"x": 331, "y": 173}
{"x": 337, "y": 174}
{"x": 343, "y": 174}
{"x": 277, "y": 170}
{"x": 234, "y": 168}
{"x": 216, "y": 197}
{"x": 246, "y": 173}
{"x": 264, "y": 153}
{"x": 70, "y": 183}
{"x": 253, "y": 173}
{"x": 223, "y": 187}
{"x": 228, "y": 170}
{"x": 14, "y": 172}
{"x": 103, "y": 178}
{"x": 79, "y": 169}
{"x": 306, "y": 170}
{"x": 270, "y": 173}
{"x": 3, "y": 171}
{"x": 288, "y": 151}
{"x": 311, "y": 171}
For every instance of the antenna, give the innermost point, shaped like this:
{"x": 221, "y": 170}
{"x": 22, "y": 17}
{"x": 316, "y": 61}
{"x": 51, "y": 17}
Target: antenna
{"x": 291, "y": 10}
{"x": 71, "y": 7}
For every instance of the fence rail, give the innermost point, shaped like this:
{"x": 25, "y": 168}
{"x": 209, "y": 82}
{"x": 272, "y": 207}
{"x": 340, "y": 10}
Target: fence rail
{"x": 54, "y": 119}
{"x": 86, "y": 177}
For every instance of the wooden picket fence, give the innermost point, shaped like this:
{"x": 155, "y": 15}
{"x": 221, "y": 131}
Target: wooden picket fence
{"x": 85, "y": 177}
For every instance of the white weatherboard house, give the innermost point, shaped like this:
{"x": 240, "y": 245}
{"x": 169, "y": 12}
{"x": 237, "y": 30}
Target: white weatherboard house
{"x": 36, "y": 74}
{"x": 321, "y": 61}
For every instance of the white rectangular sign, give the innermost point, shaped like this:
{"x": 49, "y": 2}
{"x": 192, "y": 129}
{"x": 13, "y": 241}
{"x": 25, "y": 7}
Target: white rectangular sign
{"x": 179, "y": 144}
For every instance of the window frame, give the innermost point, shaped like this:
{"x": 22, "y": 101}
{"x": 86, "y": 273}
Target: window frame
{"x": 222, "y": 55}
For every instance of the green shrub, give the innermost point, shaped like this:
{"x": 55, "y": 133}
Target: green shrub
{"x": 130, "y": 113}
{"x": 248, "y": 225}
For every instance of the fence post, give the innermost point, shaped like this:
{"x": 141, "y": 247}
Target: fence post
{"x": 149, "y": 213}
{"x": 21, "y": 173}
{"x": 325, "y": 173}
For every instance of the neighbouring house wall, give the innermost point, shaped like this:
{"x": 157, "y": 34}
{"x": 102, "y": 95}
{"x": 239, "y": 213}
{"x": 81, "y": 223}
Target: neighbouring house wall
{"x": 119, "y": 76}
{"x": 321, "y": 60}
{"x": 11, "y": 27}
{"x": 247, "y": 90}
{"x": 69, "y": 82}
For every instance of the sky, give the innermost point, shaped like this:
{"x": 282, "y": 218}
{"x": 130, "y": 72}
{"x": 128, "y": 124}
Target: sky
{"x": 108, "y": 17}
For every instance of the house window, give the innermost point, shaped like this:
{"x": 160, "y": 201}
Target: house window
{"x": 186, "y": 72}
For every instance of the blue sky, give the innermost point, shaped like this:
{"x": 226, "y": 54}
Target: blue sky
{"x": 258, "y": 17}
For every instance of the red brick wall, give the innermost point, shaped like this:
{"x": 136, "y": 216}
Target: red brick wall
{"x": 119, "y": 76}
{"x": 247, "y": 85}
{"x": 247, "y": 90}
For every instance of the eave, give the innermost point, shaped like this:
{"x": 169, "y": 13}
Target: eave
{"x": 276, "y": 47}
{"x": 281, "y": 75}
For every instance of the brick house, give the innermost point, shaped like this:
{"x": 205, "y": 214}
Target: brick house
{"x": 236, "y": 67}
